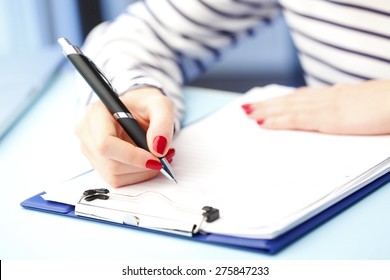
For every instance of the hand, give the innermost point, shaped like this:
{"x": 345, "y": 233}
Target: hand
{"x": 362, "y": 109}
{"x": 110, "y": 150}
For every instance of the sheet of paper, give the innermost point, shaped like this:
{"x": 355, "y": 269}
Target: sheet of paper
{"x": 264, "y": 182}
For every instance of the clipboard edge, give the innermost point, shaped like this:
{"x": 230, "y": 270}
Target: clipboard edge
{"x": 267, "y": 246}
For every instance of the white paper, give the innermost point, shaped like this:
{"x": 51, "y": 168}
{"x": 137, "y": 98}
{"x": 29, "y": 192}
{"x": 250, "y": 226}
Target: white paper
{"x": 264, "y": 182}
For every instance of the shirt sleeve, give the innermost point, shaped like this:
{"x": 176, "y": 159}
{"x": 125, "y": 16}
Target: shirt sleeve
{"x": 166, "y": 43}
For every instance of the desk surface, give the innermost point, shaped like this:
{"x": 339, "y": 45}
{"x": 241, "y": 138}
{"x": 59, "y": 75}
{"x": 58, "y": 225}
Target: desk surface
{"x": 42, "y": 150}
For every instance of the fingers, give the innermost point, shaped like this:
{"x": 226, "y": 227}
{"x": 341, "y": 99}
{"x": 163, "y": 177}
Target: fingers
{"x": 302, "y": 110}
{"x": 285, "y": 107}
{"x": 112, "y": 153}
{"x": 104, "y": 141}
{"x": 129, "y": 178}
{"x": 297, "y": 121}
{"x": 117, "y": 174}
{"x": 354, "y": 109}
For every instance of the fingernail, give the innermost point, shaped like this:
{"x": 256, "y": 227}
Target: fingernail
{"x": 247, "y": 108}
{"x": 260, "y": 122}
{"x": 170, "y": 154}
{"x": 159, "y": 144}
{"x": 153, "y": 164}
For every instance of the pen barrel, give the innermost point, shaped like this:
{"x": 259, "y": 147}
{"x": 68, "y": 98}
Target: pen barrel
{"x": 135, "y": 131}
{"x": 109, "y": 97}
{"x": 99, "y": 85}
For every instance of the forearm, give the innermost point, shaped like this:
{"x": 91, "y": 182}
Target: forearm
{"x": 167, "y": 43}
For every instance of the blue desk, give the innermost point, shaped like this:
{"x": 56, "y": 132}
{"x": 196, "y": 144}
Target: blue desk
{"x": 43, "y": 150}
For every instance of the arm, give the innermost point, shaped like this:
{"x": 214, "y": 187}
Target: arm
{"x": 164, "y": 44}
{"x": 148, "y": 52}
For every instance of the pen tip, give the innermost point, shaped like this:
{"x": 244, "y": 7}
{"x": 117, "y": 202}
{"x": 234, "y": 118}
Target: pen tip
{"x": 167, "y": 170}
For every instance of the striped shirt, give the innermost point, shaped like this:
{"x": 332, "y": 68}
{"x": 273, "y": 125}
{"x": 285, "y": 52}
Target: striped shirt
{"x": 166, "y": 43}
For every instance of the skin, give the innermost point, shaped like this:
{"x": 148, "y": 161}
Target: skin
{"x": 108, "y": 148}
{"x": 353, "y": 109}
{"x": 358, "y": 109}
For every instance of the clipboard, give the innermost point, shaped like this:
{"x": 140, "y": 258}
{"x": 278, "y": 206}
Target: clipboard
{"x": 267, "y": 246}
{"x": 346, "y": 196}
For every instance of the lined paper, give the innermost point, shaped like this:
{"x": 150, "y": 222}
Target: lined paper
{"x": 264, "y": 182}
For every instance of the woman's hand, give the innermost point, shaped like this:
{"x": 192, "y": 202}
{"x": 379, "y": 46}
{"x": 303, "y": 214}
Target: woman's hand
{"x": 362, "y": 109}
{"x": 110, "y": 150}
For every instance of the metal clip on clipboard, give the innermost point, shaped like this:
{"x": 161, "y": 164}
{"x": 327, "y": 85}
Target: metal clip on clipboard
{"x": 150, "y": 210}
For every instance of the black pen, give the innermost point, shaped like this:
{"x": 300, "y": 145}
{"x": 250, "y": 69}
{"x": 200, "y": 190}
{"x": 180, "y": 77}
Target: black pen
{"x": 104, "y": 90}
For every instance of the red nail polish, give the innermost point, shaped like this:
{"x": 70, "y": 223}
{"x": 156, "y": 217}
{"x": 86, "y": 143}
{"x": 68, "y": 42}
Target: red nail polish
{"x": 260, "y": 122}
{"x": 159, "y": 144}
{"x": 247, "y": 108}
{"x": 170, "y": 154}
{"x": 153, "y": 164}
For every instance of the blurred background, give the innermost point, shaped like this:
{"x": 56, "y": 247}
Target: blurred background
{"x": 30, "y": 25}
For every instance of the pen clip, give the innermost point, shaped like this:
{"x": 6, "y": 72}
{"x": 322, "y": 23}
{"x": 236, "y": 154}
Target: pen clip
{"x": 100, "y": 73}
{"x": 159, "y": 213}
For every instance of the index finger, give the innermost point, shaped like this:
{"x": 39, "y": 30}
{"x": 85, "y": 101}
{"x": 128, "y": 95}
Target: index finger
{"x": 106, "y": 140}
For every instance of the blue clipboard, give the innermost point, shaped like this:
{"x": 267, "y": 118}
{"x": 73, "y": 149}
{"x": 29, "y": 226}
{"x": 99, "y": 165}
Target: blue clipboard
{"x": 268, "y": 246}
